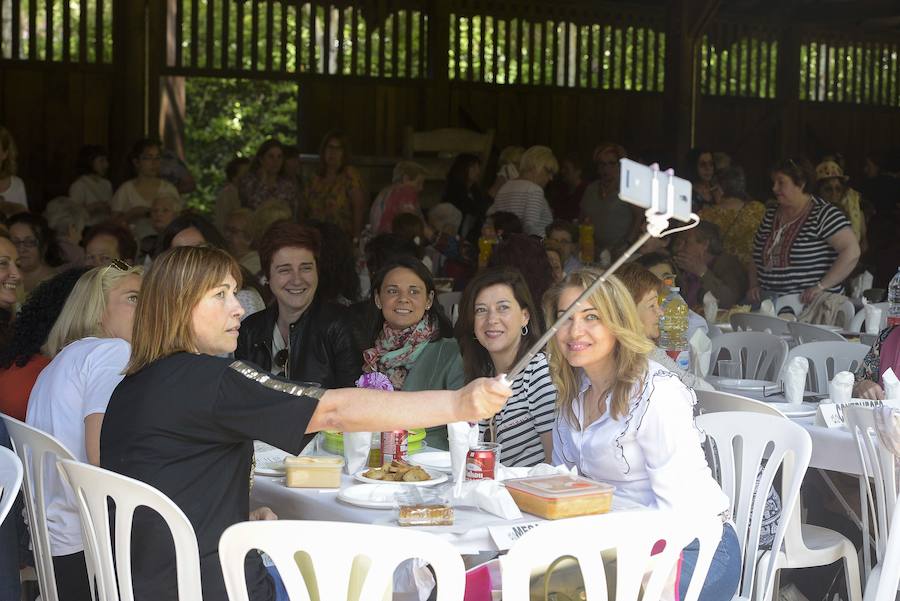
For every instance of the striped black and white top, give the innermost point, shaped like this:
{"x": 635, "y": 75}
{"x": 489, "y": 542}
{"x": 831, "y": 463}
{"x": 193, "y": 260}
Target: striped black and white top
{"x": 810, "y": 255}
{"x": 526, "y": 200}
{"x": 528, "y": 413}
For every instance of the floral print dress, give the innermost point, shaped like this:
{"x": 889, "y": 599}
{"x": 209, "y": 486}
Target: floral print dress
{"x": 331, "y": 199}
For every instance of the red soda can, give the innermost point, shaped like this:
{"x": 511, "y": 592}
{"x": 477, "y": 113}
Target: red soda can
{"x": 481, "y": 461}
{"x": 394, "y": 445}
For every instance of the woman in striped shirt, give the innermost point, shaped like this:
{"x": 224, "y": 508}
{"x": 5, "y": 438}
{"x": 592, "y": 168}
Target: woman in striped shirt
{"x": 498, "y": 322}
{"x": 524, "y": 196}
{"x": 803, "y": 245}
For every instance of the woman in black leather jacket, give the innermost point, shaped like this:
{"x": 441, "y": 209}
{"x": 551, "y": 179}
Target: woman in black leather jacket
{"x": 300, "y": 336}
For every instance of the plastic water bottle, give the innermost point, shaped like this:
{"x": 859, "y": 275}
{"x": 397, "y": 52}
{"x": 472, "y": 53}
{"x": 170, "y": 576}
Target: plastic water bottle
{"x": 672, "y": 328}
{"x": 894, "y": 300}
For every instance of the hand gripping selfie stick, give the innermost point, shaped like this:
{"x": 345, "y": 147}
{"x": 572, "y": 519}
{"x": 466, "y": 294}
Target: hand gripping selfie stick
{"x": 640, "y": 185}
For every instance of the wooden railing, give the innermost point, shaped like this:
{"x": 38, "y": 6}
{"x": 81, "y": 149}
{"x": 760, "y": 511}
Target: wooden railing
{"x": 66, "y": 31}
{"x": 738, "y": 59}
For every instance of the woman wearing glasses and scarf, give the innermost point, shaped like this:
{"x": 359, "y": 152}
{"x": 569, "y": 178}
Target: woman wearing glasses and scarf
{"x": 804, "y": 245}
{"x": 300, "y": 336}
{"x": 90, "y": 347}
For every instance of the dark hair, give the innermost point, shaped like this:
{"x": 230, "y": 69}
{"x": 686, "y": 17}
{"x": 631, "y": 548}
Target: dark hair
{"x": 137, "y": 150}
{"x": 187, "y": 220}
{"x": 124, "y": 239}
{"x": 334, "y": 134}
{"x": 690, "y": 162}
{"x": 84, "y": 164}
{"x": 263, "y": 149}
{"x": 563, "y": 225}
{"x": 508, "y": 223}
{"x": 733, "y": 182}
{"x": 707, "y": 231}
{"x": 290, "y": 151}
{"x": 476, "y": 359}
{"x": 575, "y": 159}
{"x": 234, "y": 166}
{"x": 284, "y": 234}
{"x": 336, "y": 264}
{"x": 527, "y": 254}
{"x": 651, "y": 259}
{"x": 384, "y": 247}
{"x": 37, "y": 316}
{"x": 409, "y": 226}
{"x": 49, "y": 249}
{"x": 436, "y": 312}
{"x": 457, "y": 190}
{"x": 798, "y": 169}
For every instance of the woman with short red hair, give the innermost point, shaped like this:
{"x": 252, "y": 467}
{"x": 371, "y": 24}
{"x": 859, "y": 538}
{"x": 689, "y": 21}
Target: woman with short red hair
{"x": 300, "y": 335}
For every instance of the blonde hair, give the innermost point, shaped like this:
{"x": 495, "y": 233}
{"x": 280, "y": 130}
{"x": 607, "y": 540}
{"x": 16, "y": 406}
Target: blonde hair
{"x": 511, "y": 155}
{"x": 408, "y": 169}
{"x": 174, "y": 285}
{"x": 619, "y": 315}
{"x": 81, "y": 315}
{"x": 536, "y": 159}
{"x": 266, "y": 214}
{"x": 9, "y": 165}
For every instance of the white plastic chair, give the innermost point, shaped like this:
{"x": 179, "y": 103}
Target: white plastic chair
{"x": 885, "y": 577}
{"x": 762, "y": 355}
{"x": 858, "y": 323}
{"x": 93, "y": 488}
{"x": 632, "y": 535}
{"x": 805, "y": 545}
{"x": 38, "y": 452}
{"x": 878, "y": 465}
{"x": 450, "y": 303}
{"x": 807, "y": 332}
{"x": 791, "y": 301}
{"x": 332, "y": 549}
{"x": 743, "y": 440}
{"x": 10, "y": 480}
{"x": 826, "y": 359}
{"x": 756, "y": 322}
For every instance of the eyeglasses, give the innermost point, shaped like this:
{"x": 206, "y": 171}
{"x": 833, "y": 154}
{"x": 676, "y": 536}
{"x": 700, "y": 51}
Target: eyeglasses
{"x": 117, "y": 264}
{"x": 281, "y": 360}
{"x": 26, "y": 243}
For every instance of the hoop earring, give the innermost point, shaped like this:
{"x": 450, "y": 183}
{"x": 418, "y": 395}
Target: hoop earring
{"x": 525, "y": 330}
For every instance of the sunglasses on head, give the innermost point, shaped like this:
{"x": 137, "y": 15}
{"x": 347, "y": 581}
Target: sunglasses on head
{"x": 117, "y": 264}
{"x": 281, "y": 359}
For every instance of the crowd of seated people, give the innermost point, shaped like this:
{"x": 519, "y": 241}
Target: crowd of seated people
{"x": 317, "y": 283}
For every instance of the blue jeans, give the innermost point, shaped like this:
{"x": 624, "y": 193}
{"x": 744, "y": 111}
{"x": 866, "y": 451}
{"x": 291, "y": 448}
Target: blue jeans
{"x": 280, "y": 591}
{"x": 724, "y": 571}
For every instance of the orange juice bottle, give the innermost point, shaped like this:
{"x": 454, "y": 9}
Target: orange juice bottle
{"x": 485, "y": 249}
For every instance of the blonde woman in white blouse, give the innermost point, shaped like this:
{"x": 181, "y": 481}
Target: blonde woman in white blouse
{"x": 625, "y": 420}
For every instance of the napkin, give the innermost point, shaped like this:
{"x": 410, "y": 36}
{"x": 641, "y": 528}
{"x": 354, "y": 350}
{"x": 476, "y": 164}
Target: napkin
{"x": 462, "y": 437}
{"x": 710, "y": 307}
{"x": 701, "y": 349}
{"x": 541, "y": 469}
{"x": 356, "y": 450}
{"x": 795, "y": 379}
{"x": 860, "y": 284}
{"x": 891, "y": 385}
{"x": 873, "y": 317}
{"x": 767, "y": 308}
{"x": 841, "y": 388}
{"x": 487, "y": 495}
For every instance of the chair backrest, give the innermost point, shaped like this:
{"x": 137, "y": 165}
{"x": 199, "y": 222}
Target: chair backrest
{"x": 632, "y": 535}
{"x": 10, "y": 480}
{"x": 38, "y": 452}
{"x": 791, "y": 301}
{"x": 333, "y": 554}
{"x": 884, "y": 580}
{"x": 743, "y": 441}
{"x": 762, "y": 355}
{"x": 440, "y": 147}
{"x": 858, "y": 323}
{"x": 807, "y": 332}
{"x": 713, "y": 401}
{"x": 111, "y": 562}
{"x": 878, "y": 464}
{"x": 827, "y": 359}
{"x": 450, "y": 303}
{"x": 755, "y": 322}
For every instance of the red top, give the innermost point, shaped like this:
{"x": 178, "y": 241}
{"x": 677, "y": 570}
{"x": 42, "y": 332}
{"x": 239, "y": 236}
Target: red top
{"x": 16, "y": 384}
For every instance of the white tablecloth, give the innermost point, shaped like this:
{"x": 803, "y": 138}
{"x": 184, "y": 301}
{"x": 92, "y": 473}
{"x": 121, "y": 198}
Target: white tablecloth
{"x": 469, "y": 534}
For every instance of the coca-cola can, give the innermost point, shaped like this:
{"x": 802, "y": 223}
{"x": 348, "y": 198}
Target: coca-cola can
{"x": 394, "y": 445}
{"x": 481, "y": 461}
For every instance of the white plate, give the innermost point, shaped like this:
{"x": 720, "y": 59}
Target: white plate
{"x": 269, "y": 459}
{"x": 829, "y": 328}
{"x": 438, "y": 461}
{"x": 741, "y": 384}
{"x": 791, "y": 410}
{"x": 372, "y": 496}
{"x": 435, "y": 479}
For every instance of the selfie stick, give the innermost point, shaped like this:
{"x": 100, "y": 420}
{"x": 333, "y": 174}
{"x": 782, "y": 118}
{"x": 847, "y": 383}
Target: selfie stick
{"x": 658, "y": 215}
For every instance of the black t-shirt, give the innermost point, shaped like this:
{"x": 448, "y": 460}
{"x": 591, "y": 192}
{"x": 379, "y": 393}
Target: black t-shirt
{"x": 186, "y": 426}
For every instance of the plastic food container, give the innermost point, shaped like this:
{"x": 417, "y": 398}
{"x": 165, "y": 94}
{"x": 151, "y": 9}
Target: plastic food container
{"x": 420, "y": 507}
{"x": 560, "y": 496}
{"x": 313, "y": 472}
{"x": 334, "y": 442}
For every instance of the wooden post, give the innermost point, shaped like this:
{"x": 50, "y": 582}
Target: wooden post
{"x": 787, "y": 93}
{"x": 686, "y": 22}
{"x": 435, "y": 97}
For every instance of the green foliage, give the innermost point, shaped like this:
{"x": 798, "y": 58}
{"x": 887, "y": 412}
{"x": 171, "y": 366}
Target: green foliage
{"x": 225, "y": 118}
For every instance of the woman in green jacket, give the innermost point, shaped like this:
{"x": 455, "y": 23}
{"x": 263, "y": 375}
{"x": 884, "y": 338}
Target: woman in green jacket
{"x": 412, "y": 342}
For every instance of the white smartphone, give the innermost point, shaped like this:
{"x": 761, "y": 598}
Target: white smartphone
{"x": 636, "y": 187}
